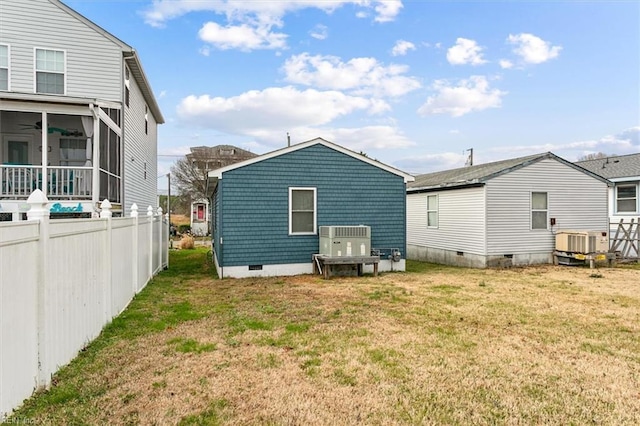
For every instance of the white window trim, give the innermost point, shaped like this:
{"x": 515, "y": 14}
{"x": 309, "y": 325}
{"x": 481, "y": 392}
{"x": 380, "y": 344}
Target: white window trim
{"x": 437, "y": 211}
{"x": 615, "y": 197}
{"x": 531, "y": 209}
{"x": 35, "y": 70}
{"x": 8, "y": 46}
{"x": 315, "y": 210}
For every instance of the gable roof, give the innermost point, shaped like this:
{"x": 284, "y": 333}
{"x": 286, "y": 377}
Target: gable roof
{"x": 620, "y": 166}
{"x": 217, "y": 174}
{"x": 130, "y": 57}
{"x": 481, "y": 173}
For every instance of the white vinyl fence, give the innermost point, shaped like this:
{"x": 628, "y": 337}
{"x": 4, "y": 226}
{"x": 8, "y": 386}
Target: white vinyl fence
{"x": 61, "y": 282}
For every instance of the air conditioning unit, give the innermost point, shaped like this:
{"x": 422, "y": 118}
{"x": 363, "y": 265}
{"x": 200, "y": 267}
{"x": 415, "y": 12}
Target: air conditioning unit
{"x": 582, "y": 241}
{"x": 345, "y": 240}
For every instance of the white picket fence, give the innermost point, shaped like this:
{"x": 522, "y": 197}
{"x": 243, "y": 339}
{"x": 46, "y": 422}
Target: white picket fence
{"x": 61, "y": 282}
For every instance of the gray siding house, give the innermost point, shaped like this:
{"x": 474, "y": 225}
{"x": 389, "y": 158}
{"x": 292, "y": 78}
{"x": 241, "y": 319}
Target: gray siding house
{"x": 624, "y": 172}
{"x": 78, "y": 118}
{"x": 266, "y": 211}
{"x": 502, "y": 213}
{"x": 624, "y": 196}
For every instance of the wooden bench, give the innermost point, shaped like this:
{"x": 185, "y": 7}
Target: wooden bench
{"x": 322, "y": 264}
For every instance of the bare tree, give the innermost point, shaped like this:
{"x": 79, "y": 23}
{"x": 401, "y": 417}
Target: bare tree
{"x": 190, "y": 178}
{"x": 593, "y": 156}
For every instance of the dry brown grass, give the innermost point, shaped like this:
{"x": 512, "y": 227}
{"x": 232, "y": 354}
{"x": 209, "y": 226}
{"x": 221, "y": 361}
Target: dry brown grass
{"x": 187, "y": 242}
{"x": 540, "y": 345}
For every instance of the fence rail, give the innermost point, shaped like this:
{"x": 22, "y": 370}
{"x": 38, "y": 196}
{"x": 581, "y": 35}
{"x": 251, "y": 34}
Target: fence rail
{"x": 61, "y": 282}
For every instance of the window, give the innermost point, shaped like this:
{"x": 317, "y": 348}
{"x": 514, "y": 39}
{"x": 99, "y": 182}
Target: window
{"x": 126, "y": 86}
{"x": 73, "y": 152}
{"x": 302, "y": 211}
{"x": 146, "y": 120}
{"x": 432, "y": 211}
{"x": 50, "y": 69}
{"x": 4, "y": 67}
{"x": 539, "y": 210}
{"x": 626, "y": 198}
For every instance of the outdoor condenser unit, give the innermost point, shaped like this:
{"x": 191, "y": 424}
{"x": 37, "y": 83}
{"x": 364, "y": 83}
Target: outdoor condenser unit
{"x": 345, "y": 240}
{"x": 582, "y": 241}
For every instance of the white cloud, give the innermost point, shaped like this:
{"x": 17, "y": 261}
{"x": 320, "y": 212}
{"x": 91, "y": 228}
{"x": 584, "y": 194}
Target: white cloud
{"x": 362, "y": 76}
{"x": 162, "y": 11}
{"x": 532, "y": 49}
{"x": 506, "y": 64}
{"x": 319, "y": 32}
{"x": 625, "y": 142}
{"x": 367, "y": 139}
{"x": 276, "y": 108}
{"x": 418, "y": 164}
{"x": 243, "y": 37}
{"x": 387, "y": 10}
{"x": 465, "y": 52}
{"x": 205, "y": 50}
{"x": 473, "y": 94}
{"x": 402, "y": 47}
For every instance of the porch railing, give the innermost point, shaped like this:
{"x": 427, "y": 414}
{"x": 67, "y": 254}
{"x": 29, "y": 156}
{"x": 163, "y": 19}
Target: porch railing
{"x": 18, "y": 181}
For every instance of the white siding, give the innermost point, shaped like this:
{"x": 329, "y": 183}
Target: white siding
{"x": 575, "y": 200}
{"x": 139, "y": 149}
{"x": 93, "y": 61}
{"x": 461, "y": 224}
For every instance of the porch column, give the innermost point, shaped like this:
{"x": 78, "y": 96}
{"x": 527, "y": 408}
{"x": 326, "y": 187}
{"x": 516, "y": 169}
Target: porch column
{"x": 45, "y": 153}
{"x": 95, "y": 179}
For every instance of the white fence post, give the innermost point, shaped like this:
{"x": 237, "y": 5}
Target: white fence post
{"x": 136, "y": 263}
{"x": 160, "y": 239}
{"x": 38, "y": 212}
{"x": 106, "y": 213}
{"x": 150, "y": 221}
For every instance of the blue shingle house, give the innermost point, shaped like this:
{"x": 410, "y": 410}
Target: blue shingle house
{"x": 266, "y": 211}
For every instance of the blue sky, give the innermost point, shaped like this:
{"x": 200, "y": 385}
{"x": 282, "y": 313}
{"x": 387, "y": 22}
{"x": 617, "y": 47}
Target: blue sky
{"x": 411, "y": 83}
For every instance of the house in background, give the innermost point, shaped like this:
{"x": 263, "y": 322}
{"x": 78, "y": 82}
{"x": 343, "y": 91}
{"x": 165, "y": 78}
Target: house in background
{"x": 207, "y": 158}
{"x": 266, "y": 211}
{"x": 78, "y": 118}
{"x": 624, "y": 172}
{"x": 502, "y": 213}
{"x": 624, "y": 195}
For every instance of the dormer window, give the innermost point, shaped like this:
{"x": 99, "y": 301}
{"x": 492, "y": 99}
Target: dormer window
{"x": 50, "y": 71}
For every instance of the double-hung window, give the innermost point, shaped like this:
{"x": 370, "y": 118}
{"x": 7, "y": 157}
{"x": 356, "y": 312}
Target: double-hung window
{"x": 539, "y": 210}
{"x": 50, "y": 71}
{"x": 626, "y": 198}
{"x": 432, "y": 211}
{"x": 4, "y": 67}
{"x": 302, "y": 211}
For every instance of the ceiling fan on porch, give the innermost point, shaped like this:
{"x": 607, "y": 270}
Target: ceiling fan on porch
{"x": 63, "y": 132}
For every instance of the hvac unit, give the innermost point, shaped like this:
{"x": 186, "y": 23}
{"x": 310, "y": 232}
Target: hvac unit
{"x": 345, "y": 240}
{"x": 582, "y": 241}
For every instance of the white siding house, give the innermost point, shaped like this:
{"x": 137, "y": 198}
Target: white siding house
{"x": 503, "y": 213}
{"x": 78, "y": 119}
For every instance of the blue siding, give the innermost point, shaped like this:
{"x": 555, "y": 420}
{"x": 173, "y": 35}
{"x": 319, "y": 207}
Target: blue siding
{"x": 254, "y": 208}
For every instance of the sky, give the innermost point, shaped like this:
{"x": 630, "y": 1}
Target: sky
{"x": 414, "y": 84}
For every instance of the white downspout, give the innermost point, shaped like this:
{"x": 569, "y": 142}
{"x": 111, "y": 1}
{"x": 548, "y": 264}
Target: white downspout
{"x": 45, "y": 153}
{"x": 95, "y": 179}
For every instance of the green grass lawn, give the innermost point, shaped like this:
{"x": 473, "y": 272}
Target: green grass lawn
{"x": 433, "y": 345}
